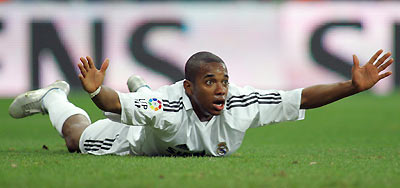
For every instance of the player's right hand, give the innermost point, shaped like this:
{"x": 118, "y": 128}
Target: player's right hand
{"x": 91, "y": 78}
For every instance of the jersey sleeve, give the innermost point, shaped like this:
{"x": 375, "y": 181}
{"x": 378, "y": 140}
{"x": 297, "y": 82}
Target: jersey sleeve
{"x": 285, "y": 109}
{"x": 140, "y": 109}
{"x": 254, "y": 108}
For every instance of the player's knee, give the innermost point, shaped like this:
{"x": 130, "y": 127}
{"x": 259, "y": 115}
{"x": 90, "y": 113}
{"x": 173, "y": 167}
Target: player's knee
{"x": 72, "y": 144}
{"x": 72, "y": 131}
{"x": 71, "y": 139}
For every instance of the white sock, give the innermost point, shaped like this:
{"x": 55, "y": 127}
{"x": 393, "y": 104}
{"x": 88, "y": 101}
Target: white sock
{"x": 60, "y": 109}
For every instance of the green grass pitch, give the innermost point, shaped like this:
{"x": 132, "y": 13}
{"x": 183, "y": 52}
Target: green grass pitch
{"x": 351, "y": 143}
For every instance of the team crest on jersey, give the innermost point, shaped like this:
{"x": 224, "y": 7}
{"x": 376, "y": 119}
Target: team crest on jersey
{"x": 222, "y": 148}
{"x": 155, "y": 104}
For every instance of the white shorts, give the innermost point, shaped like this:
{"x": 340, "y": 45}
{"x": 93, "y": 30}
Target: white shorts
{"x": 105, "y": 137}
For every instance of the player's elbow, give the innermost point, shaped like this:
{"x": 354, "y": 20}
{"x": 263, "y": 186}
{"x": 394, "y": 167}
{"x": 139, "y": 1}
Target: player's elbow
{"x": 303, "y": 103}
{"x": 117, "y": 108}
{"x": 114, "y": 107}
{"x": 307, "y": 102}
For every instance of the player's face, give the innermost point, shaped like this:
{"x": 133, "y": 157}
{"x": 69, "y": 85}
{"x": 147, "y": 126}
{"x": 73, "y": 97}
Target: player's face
{"x": 209, "y": 90}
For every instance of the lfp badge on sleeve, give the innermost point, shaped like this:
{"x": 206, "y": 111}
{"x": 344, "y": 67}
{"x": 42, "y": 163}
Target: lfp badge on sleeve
{"x": 155, "y": 104}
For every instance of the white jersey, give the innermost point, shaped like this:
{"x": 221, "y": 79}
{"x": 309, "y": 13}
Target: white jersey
{"x": 171, "y": 127}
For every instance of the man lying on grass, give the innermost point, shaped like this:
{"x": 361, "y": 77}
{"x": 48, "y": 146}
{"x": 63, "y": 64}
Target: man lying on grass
{"x": 203, "y": 115}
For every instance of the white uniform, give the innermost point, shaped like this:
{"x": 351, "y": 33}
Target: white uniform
{"x": 164, "y": 122}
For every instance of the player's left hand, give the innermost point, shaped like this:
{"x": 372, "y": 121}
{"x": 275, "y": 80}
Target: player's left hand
{"x": 366, "y": 76}
{"x": 91, "y": 78}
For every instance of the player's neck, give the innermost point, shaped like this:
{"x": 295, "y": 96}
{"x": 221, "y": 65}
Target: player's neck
{"x": 203, "y": 117}
{"x": 201, "y": 114}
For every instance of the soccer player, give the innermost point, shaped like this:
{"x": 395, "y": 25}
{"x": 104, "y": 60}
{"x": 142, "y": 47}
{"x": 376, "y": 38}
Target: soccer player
{"x": 203, "y": 115}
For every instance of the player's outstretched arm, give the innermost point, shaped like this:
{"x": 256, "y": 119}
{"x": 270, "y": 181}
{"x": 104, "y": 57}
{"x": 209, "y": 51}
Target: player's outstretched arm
{"x": 363, "y": 78}
{"x": 92, "y": 79}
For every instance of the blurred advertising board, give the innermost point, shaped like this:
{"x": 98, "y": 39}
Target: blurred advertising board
{"x": 280, "y": 46}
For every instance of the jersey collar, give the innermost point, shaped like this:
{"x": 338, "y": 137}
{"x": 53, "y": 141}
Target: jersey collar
{"x": 186, "y": 101}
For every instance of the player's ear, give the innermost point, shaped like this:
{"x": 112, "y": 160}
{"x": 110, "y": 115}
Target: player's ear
{"x": 188, "y": 85}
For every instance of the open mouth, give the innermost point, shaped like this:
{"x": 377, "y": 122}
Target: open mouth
{"x": 219, "y": 104}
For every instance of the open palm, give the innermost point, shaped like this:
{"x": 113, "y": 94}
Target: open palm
{"x": 91, "y": 78}
{"x": 368, "y": 75}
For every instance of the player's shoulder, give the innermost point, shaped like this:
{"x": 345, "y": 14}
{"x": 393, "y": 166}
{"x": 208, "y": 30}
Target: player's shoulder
{"x": 237, "y": 94}
{"x": 235, "y": 90}
{"x": 172, "y": 96}
{"x": 173, "y": 91}
{"x": 167, "y": 92}
{"x": 240, "y": 90}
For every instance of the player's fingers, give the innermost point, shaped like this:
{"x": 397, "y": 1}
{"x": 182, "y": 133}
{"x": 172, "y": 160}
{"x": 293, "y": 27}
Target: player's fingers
{"x": 376, "y": 55}
{"x": 385, "y": 65}
{"x": 383, "y": 59}
{"x": 85, "y": 63}
{"x": 356, "y": 62}
{"x": 81, "y": 77}
{"x": 90, "y": 61}
{"x": 104, "y": 66}
{"x": 384, "y": 75}
{"x": 82, "y": 69}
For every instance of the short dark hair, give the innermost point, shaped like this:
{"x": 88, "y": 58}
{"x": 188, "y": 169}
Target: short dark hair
{"x": 192, "y": 65}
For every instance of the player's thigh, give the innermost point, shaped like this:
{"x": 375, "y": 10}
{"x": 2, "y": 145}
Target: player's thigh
{"x": 105, "y": 137}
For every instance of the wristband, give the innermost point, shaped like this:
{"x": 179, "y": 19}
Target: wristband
{"x": 93, "y": 94}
